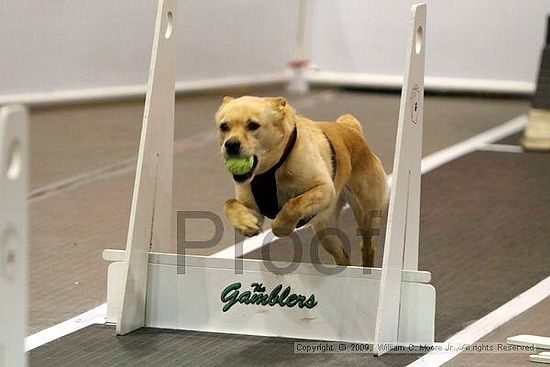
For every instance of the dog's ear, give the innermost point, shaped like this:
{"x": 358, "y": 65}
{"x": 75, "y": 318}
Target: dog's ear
{"x": 227, "y": 99}
{"x": 277, "y": 102}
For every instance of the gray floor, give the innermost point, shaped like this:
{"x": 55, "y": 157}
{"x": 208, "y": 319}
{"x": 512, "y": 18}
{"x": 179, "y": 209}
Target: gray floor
{"x": 535, "y": 321}
{"x": 71, "y": 225}
{"x": 72, "y": 140}
{"x": 98, "y": 346}
{"x": 477, "y": 238}
{"x": 477, "y": 234}
{"x": 513, "y": 139}
{"x": 82, "y": 168}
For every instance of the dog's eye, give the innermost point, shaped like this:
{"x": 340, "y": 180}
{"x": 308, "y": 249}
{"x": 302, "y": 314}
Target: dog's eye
{"x": 253, "y": 125}
{"x": 224, "y": 127}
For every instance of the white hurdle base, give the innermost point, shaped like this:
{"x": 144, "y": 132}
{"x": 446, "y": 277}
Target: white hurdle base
{"x": 346, "y": 305}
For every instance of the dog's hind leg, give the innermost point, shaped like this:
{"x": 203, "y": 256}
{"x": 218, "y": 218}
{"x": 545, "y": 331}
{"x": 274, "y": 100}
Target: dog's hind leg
{"x": 368, "y": 202}
{"x": 325, "y": 226}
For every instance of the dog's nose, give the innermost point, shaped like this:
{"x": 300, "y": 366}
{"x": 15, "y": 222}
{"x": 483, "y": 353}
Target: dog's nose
{"x": 232, "y": 146}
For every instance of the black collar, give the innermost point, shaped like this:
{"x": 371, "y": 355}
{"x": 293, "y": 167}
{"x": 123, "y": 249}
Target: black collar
{"x": 288, "y": 148}
{"x": 264, "y": 186}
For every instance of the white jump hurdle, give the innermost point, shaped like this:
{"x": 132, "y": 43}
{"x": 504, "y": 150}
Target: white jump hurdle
{"x": 13, "y": 235}
{"x": 384, "y": 306}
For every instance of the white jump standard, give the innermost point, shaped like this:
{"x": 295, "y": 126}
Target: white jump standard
{"x": 385, "y": 306}
{"x": 14, "y": 234}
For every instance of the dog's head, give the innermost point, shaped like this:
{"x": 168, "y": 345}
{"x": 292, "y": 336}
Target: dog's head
{"x": 254, "y": 127}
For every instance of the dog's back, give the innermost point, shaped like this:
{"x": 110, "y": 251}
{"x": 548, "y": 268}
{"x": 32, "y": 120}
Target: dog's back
{"x": 347, "y": 135}
{"x": 350, "y": 121}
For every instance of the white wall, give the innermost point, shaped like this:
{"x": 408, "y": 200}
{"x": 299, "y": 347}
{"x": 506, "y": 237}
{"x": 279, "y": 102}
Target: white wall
{"x": 56, "y": 50}
{"x": 68, "y": 45}
{"x": 493, "y": 42}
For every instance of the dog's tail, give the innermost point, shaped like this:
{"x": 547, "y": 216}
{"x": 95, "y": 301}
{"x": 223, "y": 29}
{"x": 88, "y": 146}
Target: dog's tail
{"x": 350, "y": 121}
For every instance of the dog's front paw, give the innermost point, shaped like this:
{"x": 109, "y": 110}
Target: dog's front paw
{"x": 283, "y": 225}
{"x": 243, "y": 218}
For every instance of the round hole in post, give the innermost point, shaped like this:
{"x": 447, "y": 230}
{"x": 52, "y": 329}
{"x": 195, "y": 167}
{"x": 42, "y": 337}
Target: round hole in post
{"x": 169, "y": 25}
{"x": 419, "y": 40}
{"x": 14, "y": 160}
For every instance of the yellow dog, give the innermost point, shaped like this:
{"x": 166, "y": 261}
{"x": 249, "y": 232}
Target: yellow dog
{"x": 303, "y": 171}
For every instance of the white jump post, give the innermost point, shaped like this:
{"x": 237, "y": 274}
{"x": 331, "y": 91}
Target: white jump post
{"x": 401, "y": 245}
{"x": 13, "y": 235}
{"x": 298, "y": 82}
{"x": 393, "y": 304}
{"x": 150, "y": 216}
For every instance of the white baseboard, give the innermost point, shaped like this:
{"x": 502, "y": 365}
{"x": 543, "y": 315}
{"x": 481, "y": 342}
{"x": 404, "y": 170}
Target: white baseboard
{"x": 314, "y": 77}
{"x": 129, "y": 91}
{"x": 432, "y": 83}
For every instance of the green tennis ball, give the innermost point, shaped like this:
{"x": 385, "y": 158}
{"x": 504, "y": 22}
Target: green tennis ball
{"x": 239, "y": 165}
